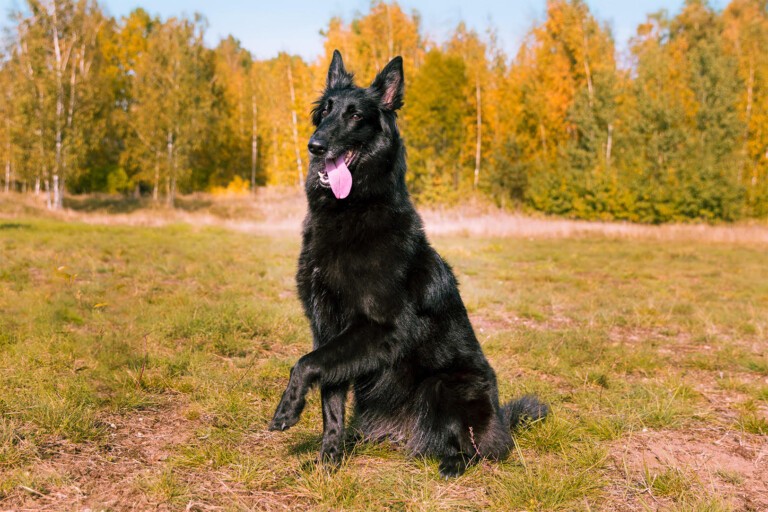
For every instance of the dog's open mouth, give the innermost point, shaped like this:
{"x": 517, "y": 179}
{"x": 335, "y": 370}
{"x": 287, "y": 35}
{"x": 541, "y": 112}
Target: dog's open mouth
{"x": 336, "y": 175}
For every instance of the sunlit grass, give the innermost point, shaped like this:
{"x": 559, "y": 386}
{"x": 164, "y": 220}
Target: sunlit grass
{"x": 103, "y": 328}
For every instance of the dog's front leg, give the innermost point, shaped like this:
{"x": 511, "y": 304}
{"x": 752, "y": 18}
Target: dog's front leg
{"x": 358, "y": 350}
{"x": 293, "y": 400}
{"x": 334, "y": 398}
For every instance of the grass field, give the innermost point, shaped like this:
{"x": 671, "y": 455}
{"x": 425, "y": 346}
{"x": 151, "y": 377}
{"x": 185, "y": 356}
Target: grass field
{"x": 139, "y": 367}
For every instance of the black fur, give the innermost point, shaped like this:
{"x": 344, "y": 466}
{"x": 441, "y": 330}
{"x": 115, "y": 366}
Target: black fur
{"x": 385, "y": 310}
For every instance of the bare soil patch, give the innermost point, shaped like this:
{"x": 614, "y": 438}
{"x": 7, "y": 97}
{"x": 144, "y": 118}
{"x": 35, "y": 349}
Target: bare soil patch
{"x": 726, "y": 463}
{"x": 107, "y": 476}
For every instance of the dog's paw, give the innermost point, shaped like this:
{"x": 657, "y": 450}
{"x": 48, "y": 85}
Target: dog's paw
{"x": 330, "y": 457}
{"x": 320, "y": 464}
{"x": 283, "y": 420}
{"x": 452, "y": 466}
{"x": 288, "y": 411}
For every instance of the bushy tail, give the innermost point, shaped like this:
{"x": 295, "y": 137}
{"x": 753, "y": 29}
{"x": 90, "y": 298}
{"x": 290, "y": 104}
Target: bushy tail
{"x": 523, "y": 410}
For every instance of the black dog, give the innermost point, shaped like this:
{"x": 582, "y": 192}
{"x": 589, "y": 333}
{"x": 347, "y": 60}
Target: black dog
{"x": 385, "y": 309}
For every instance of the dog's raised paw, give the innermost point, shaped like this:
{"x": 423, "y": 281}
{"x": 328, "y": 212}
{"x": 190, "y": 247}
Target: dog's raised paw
{"x": 282, "y": 422}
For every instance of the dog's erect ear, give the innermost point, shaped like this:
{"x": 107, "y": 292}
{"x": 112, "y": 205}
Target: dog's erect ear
{"x": 390, "y": 83}
{"x": 337, "y": 75}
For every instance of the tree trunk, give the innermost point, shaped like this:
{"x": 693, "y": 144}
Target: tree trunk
{"x": 57, "y": 167}
{"x": 747, "y": 118}
{"x": 8, "y": 150}
{"x": 390, "y": 39}
{"x": 156, "y": 184}
{"x": 172, "y": 193}
{"x": 171, "y": 190}
{"x": 543, "y": 134}
{"x": 7, "y": 174}
{"x": 274, "y": 146}
{"x": 47, "y": 194}
{"x": 37, "y": 185}
{"x": 456, "y": 177}
{"x": 254, "y": 143}
{"x": 299, "y": 165}
{"x": 56, "y": 191}
{"x": 587, "y": 70}
{"x": 608, "y": 147}
{"x": 69, "y": 122}
{"x": 478, "y": 148}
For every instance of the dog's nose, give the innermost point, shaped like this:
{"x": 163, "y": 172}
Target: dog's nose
{"x": 317, "y": 146}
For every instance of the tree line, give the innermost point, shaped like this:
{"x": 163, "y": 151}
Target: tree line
{"x": 141, "y": 105}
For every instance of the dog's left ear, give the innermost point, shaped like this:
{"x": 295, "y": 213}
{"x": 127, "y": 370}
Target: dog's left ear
{"x": 389, "y": 83}
{"x": 338, "y": 77}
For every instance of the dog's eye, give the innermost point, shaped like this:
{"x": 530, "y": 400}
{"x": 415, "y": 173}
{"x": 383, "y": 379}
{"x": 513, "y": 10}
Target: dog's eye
{"x": 324, "y": 112}
{"x": 356, "y": 117}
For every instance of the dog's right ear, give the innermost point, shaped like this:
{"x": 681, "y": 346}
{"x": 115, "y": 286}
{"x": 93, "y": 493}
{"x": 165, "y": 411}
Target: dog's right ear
{"x": 389, "y": 85}
{"x": 338, "y": 77}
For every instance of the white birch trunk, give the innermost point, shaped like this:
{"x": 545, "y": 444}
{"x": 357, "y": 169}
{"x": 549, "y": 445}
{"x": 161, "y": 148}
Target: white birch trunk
{"x": 56, "y": 198}
{"x": 274, "y": 146}
{"x": 587, "y": 69}
{"x": 57, "y": 167}
{"x": 254, "y": 143}
{"x": 171, "y": 189}
{"x": 48, "y": 194}
{"x": 748, "y": 116}
{"x": 390, "y": 39}
{"x": 156, "y": 186}
{"x": 478, "y": 148}
{"x": 299, "y": 165}
{"x": 8, "y": 154}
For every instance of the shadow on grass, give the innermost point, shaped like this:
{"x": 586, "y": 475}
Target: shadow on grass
{"x": 129, "y": 204}
{"x": 306, "y": 443}
{"x": 105, "y": 203}
{"x": 192, "y": 204}
{"x": 13, "y": 225}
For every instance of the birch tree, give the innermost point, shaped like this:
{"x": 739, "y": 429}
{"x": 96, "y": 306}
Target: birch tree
{"x": 55, "y": 49}
{"x": 7, "y": 111}
{"x": 467, "y": 45}
{"x": 240, "y": 81}
{"x": 746, "y": 37}
{"x": 172, "y": 101}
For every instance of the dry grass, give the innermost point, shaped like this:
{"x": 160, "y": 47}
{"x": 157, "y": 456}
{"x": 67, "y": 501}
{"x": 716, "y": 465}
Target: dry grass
{"x": 275, "y": 211}
{"x": 502, "y": 224}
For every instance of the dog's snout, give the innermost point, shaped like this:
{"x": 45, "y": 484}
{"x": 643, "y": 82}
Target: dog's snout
{"x": 317, "y": 146}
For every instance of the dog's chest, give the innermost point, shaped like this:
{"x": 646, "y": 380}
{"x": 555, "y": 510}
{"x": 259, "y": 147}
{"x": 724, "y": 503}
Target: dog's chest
{"x": 354, "y": 282}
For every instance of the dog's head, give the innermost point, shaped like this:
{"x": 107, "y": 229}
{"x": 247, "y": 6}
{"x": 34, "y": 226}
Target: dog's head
{"x": 355, "y": 145}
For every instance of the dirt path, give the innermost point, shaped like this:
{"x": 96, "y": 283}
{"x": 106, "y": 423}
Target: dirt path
{"x": 107, "y": 476}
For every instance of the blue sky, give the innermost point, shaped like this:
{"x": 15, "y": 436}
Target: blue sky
{"x": 268, "y": 27}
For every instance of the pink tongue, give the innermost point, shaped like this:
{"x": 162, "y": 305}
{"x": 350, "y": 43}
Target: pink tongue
{"x": 339, "y": 176}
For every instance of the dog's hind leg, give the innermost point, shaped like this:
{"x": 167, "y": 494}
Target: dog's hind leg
{"x": 333, "y": 398}
{"x": 455, "y": 414}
